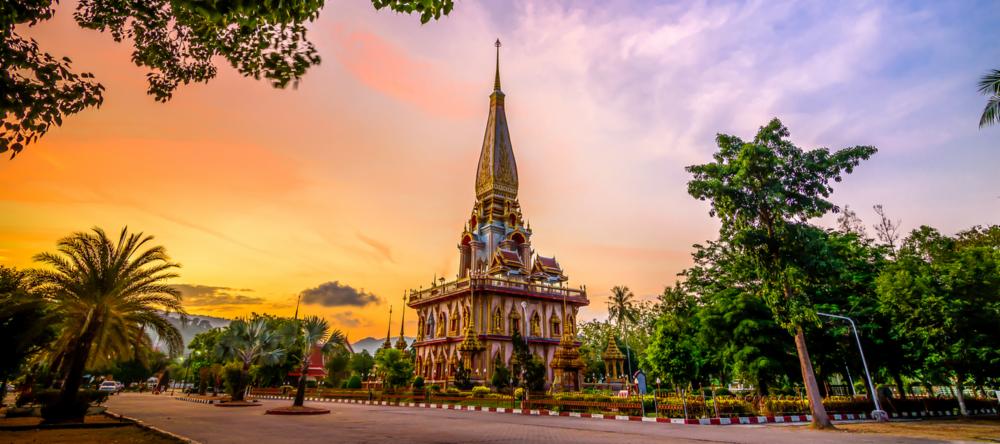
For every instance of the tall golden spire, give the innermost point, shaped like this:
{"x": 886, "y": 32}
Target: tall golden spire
{"x": 496, "y": 176}
{"x": 388, "y": 330}
{"x": 401, "y": 343}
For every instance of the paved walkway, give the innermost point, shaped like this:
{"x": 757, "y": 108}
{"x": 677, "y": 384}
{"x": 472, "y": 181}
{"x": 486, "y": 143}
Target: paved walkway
{"x": 349, "y": 423}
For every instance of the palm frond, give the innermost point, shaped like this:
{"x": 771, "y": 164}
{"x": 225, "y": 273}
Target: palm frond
{"x": 990, "y": 83}
{"x": 991, "y": 114}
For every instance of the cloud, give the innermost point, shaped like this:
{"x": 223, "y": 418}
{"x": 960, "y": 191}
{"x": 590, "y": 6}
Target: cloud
{"x": 348, "y": 320}
{"x": 335, "y": 294}
{"x": 380, "y": 247}
{"x": 207, "y": 295}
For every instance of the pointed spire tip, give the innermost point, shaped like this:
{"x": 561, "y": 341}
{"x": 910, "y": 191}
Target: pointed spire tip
{"x": 496, "y": 82}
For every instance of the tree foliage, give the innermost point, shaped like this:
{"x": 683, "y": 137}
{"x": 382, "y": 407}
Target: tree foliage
{"x": 26, "y": 323}
{"x": 396, "y": 369}
{"x": 942, "y": 295}
{"x": 989, "y": 85}
{"x": 764, "y": 191}
{"x": 178, "y": 41}
{"x": 107, "y": 293}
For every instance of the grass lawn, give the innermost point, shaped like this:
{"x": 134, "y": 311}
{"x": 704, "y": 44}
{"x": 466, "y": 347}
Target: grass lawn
{"x": 126, "y": 434}
{"x": 980, "y": 429}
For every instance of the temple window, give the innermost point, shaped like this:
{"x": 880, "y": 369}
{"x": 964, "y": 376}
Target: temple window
{"x": 536, "y": 325}
{"x": 554, "y": 326}
{"x": 429, "y": 328}
{"x": 515, "y": 322}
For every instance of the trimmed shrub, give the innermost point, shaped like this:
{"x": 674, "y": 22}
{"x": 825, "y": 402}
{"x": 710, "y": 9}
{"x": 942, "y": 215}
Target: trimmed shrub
{"x": 480, "y": 392}
{"x": 435, "y": 388}
{"x": 354, "y": 382}
{"x": 232, "y": 374}
{"x": 519, "y": 394}
{"x": 418, "y": 383}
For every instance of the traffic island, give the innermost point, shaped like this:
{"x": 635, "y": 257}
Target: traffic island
{"x": 293, "y": 410}
{"x": 238, "y": 404}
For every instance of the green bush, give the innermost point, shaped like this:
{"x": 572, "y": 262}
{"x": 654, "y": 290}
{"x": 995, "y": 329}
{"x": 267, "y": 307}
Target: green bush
{"x": 232, "y": 375}
{"x": 519, "y": 394}
{"x": 453, "y": 391}
{"x": 418, "y": 383}
{"x": 480, "y": 392}
{"x": 354, "y": 382}
{"x": 435, "y": 388}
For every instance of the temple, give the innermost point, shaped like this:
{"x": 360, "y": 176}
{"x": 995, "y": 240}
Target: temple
{"x": 502, "y": 286}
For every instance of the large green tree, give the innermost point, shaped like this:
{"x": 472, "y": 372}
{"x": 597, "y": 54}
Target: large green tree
{"x": 107, "y": 294}
{"x": 26, "y": 323}
{"x": 943, "y": 296}
{"x": 676, "y": 353}
{"x": 394, "y": 366}
{"x": 178, "y": 41}
{"x": 763, "y": 191}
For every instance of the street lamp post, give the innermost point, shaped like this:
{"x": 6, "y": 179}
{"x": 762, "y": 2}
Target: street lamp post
{"x": 879, "y": 414}
{"x": 656, "y": 406}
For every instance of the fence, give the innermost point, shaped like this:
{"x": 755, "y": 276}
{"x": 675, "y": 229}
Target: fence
{"x": 671, "y": 406}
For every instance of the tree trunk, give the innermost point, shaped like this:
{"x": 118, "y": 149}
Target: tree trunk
{"x": 899, "y": 384}
{"x": 244, "y": 375}
{"x": 300, "y": 394}
{"x": 820, "y": 418}
{"x": 960, "y": 396}
{"x": 77, "y": 364}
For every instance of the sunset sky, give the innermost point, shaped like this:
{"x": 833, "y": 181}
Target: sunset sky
{"x": 355, "y": 186}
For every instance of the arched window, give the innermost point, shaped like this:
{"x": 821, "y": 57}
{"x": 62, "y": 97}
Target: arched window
{"x": 554, "y": 325}
{"x": 536, "y": 325}
{"x": 515, "y": 322}
{"x": 429, "y": 327}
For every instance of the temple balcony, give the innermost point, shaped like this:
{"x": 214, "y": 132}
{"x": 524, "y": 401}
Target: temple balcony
{"x": 530, "y": 290}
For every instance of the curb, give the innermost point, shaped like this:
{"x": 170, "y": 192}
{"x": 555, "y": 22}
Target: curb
{"x": 702, "y": 421}
{"x": 930, "y": 413}
{"x": 201, "y": 401}
{"x": 151, "y": 428}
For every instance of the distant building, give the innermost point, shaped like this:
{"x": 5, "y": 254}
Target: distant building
{"x": 471, "y": 319}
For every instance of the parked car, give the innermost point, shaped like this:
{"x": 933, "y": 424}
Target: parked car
{"x": 108, "y": 386}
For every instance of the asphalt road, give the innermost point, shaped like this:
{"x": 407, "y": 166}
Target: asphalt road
{"x": 348, "y": 423}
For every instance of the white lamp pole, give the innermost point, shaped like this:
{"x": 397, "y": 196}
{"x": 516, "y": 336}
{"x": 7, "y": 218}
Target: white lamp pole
{"x": 879, "y": 414}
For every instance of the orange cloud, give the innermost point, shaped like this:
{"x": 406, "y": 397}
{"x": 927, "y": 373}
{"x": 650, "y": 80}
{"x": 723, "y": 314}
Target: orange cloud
{"x": 390, "y": 70}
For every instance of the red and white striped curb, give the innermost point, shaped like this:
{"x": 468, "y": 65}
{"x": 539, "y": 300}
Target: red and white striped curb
{"x": 701, "y": 421}
{"x": 203, "y": 401}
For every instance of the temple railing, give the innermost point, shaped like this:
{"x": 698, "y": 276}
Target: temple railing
{"x": 578, "y": 295}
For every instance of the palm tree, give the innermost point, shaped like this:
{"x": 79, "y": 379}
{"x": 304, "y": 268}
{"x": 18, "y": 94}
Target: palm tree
{"x": 107, "y": 295}
{"x": 990, "y": 85}
{"x": 249, "y": 342}
{"x": 621, "y": 307}
{"x": 315, "y": 333}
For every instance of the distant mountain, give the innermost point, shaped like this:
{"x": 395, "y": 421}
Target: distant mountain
{"x": 195, "y": 324}
{"x": 372, "y": 345}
